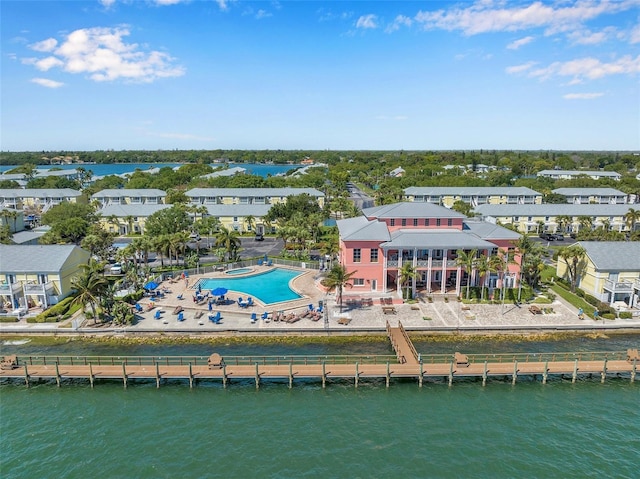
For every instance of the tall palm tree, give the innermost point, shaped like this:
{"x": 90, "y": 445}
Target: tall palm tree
{"x": 563, "y": 221}
{"x": 484, "y": 266}
{"x": 336, "y": 280}
{"x": 524, "y": 245}
{"x": 129, "y": 221}
{"x": 250, "y": 222}
{"x": 572, "y": 255}
{"x": 229, "y": 240}
{"x": 631, "y": 218}
{"x": 406, "y": 274}
{"x": 585, "y": 222}
{"x": 162, "y": 246}
{"x": 467, "y": 260}
{"x": 89, "y": 285}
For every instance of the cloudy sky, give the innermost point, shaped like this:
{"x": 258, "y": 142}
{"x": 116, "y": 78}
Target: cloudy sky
{"x": 207, "y": 74}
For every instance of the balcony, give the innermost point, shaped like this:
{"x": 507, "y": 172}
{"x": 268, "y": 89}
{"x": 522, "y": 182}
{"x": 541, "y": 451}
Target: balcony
{"x": 619, "y": 286}
{"x": 10, "y": 288}
{"x": 38, "y": 288}
{"x": 392, "y": 263}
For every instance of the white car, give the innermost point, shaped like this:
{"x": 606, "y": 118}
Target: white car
{"x": 116, "y": 268}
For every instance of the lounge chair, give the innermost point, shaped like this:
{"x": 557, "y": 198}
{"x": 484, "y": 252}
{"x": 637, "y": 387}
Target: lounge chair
{"x": 180, "y": 296}
{"x": 320, "y": 309}
{"x": 254, "y": 317}
{"x": 264, "y": 316}
{"x": 260, "y": 262}
{"x": 178, "y": 310}
{"x": 157, "y": 315}
{"x": 311, "y": 308}
{"x": 249, "y": 302}
{"x": 215, "y": 318}
{"x": 240, "y": 302}
{"x": 138, "y": 307}
{"x": 181, "y": 316}
{"x": 269, "y": 263}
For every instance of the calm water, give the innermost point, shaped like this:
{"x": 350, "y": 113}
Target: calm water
{"x": 270, "y": 287}
{"x": 555, "y": 430}
{"x": 118, "y": 169}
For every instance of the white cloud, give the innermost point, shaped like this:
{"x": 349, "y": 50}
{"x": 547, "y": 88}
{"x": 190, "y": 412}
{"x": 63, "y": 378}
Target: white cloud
{"x": 45, "y": 45}
{"x": 107, "y": 3}
{"x": 582, "y": 96}
{"x": 263, "y": 14}
{"x": 587, "y": 37}
{"x": 367, "y": 21}
{"x": 589, "y": 68}
{"x": 399, "y": 21}
{"x": 103, "y": 54}
{"x": 520, "y": 68}
{"x": 634, "y": 36}
{"x": 487, "y": 16}
{"x": 46, "y": 82}
{"x": 520, "y": 42}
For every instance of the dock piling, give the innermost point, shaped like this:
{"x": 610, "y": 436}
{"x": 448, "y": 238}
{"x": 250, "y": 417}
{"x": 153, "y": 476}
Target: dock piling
{"x": 157, "y": 376}
{"x": 604, "y": 371}
{"x": 451, "y": 373}
{"x": 388, "y": 375}
{"x": 484, "y": 374}
{"x": 257, "y": 377}
{"x": 515, "y": 372}
{"x": 357, "y": 376}
{"x": 224, "y": 375}
{"x": 290, "y": 375}
{"x": 633, "y": 370}
{"x": 124, "y": 375}
{"x": 91, "y": 375}
{"x": 421, "y": 377}
{"x": 26, "y": 375}
{"x": 324, "y": 375}
{"x": 57, "y": 375}
{"x": 190, "y": 376}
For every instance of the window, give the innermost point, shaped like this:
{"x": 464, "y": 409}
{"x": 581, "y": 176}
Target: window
{"x": 393, "y": 222}
{"x": 426, "y": 221}
{"x": 449, "y": 222}
{"x": 357, "y": 252}
{"x": 358, "y": 281}
{"x": 235, "y": 218}
{"x": 404, "y": 222}
{"x": 243, "y": 200}
{"x": 438, "y": 222}
{"x": 415, "y": 221}
{"x": 42, "y": 279}
{"x": 136, "y": 200}
{"x": 259, "y": 200}
{"x": 374, "y": 255}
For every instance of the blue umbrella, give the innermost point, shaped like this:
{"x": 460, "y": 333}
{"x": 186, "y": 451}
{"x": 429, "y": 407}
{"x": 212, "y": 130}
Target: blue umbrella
{"x": 151, "y": 285}
{"x": 219, "y": 291}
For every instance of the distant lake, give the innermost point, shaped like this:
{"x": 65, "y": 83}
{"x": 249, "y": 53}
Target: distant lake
{"x": 120, "y": 168}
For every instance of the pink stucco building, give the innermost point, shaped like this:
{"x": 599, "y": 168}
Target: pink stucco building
{"x": 377, "y": 244}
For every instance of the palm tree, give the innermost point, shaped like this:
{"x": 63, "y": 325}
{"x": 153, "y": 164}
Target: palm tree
{"x": 89, "y": 285}
{"x": 631, "y": 218}
{"x": 113, "y": 219}
{"x": 484, "y": 266}
{"x": 229, "y": 240}
{"x": 336, "y": 280}
{"x": 501, "y": 261}
{"x": 524, "y": 245}
{"x": 406, "y": 274}
{"x": 585, "y": 222}
{"x": 563, "y": 221}
{"x": 129, "y": 220}
{"x": 250, "y": 222}
{"x": 143, "y": 245}
{"x": 467, "y": 260}
{"x": 162, "y": 246}
{"x": 572, "y": 255}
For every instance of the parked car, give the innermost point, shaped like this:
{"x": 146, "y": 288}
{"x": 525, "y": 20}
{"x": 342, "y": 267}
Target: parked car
{"x": 259, "y": 237}
{"x": 548, "y": 236}
{"x": 116, "y": 268}
{"x": 558, "y": 237}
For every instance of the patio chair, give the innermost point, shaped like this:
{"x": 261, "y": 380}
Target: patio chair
{"x": 320, "y": 309}
{"x": 249, "y": 302}
{"x": 157, "y": 315}
{"x": 138, "y": 307}
{"x": 215, "y": 318}
{"x": 240, "y": 301}
{"x": 180, "y": 296}
{"x": 260, "y": 262}
{"x": 311, "y": 308}
{"x": 264, "y": 316}
{"x": 254, "y": 318}
{"x": 269, "y": 263}
{"x": 180, "y": 316}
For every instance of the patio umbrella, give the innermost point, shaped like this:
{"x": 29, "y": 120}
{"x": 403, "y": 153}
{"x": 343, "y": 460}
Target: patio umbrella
{"x": 219, "y": 291}
{"x": 151, "y": 285}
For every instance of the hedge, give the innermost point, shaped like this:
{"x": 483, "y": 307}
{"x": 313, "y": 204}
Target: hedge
{"x": 8, "y": 319}
{"x": 54, "y": 313}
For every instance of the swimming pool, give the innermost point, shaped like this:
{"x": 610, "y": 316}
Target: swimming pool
{"x": 233, "y": 272}
{"x": 269, "y": 287}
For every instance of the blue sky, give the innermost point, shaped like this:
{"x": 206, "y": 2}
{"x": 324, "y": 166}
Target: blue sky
{"x": 206, "y": 74}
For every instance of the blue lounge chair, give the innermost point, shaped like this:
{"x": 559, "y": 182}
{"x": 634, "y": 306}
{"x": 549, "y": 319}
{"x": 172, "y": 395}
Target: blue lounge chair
{"x": 215, "y": 318}
{"x": 269, "y": 263}
{"x": 260, "y": 262}
{"x": 249, "y": 302}
{"x": 240, "y": 301}
{"x": 139, "y": 308}
{"x": 254, "y": 317}
{"x": 311, "y": 308}
{"x": 157, "y": 315}
{"x": 180, "y": 316}
{"x": 265, "y": 315}
{"x": 320, "y": 309}
{"x": 180, "y": 296}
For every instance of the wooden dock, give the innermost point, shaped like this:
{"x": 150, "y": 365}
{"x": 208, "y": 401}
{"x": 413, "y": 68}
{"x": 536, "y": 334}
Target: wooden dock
{"x": 406, "y": 364}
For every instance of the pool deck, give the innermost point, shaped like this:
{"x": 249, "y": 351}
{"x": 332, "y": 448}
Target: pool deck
{"x": 359, "y": 313}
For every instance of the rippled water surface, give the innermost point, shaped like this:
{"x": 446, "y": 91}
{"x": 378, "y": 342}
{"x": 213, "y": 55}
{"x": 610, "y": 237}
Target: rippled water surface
{"x": 587, "y": 429}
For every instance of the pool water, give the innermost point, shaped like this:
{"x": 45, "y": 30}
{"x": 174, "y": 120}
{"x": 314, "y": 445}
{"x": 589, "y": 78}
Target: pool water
{"x": 233, "y": 272}
{"x": 269, "y": 287}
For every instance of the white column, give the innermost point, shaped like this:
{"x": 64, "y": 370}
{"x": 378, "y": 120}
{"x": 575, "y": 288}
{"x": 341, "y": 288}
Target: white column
{"x": 444, "y": 271}
{"x": 429, "y": 263}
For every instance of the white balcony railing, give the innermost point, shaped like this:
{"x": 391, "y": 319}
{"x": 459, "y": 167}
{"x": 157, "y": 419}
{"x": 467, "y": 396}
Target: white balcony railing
{"x": 618, "y": 286}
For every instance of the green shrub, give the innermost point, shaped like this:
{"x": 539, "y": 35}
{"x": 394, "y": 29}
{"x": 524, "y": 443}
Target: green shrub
{"x": 604, "y": 308}
{"x": 625, "y": 315}
{"x": 580, "y": 293}
{"x": 56, "y": 312}
{"x": 608, "y": 316}
{"x": 133, "y": 297}
{"x": 593, "y": 301}
{"x": 8, "y": 319}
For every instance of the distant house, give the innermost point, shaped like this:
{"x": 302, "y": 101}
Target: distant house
{"x": 571, "y": 174}
{"x": 38, "y": 275}
{"x": 236, "y": 170}
{"x": 14, "y": 219}
{"x": 20, "y": 178}
{"x": 397, "y": 173}
{"x": 594, "y": 196}
{"x": 610, "y": 271}
{"x": 249, "y": 196}
{"x": 40, "y": 199}
{"x": 472, "y": 195}
{"x": 134, "y": 196}
{"x": 123, "y": 219}
{"x": 554, "y": 218}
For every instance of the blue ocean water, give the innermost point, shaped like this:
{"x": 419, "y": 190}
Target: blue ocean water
{"x": 120, "y": 168}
